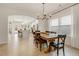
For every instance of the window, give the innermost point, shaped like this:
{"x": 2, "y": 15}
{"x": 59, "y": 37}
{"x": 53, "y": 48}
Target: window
{"x": 66, "y": 20}
{"x": 61, "y": 25}
{"x": 54, "y": 25}
{"x": 65, "y": 25}
{"x": 54, "y": 22}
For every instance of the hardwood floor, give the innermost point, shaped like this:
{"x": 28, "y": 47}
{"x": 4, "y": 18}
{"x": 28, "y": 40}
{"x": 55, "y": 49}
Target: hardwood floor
{"x": 25, "y": 47}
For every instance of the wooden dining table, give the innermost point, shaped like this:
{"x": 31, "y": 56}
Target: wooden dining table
{"x": 49, "y": 38}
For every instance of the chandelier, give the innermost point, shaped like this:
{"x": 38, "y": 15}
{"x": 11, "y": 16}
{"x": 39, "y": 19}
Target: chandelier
{"x": 44, "y": 16}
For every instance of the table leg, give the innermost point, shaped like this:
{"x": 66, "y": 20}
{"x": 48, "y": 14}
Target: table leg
{"x": 49, "y": 48}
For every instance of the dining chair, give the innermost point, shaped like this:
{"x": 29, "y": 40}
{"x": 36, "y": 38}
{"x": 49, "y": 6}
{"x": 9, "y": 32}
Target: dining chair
{"x": 59, "y": 44}
{"x": 35, "y": 35}
{"x": 35, "y": 39}
{"x": 40, "y": 41}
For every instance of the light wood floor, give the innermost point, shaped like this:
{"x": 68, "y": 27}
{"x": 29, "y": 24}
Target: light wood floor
{"x": 25, "y": 47}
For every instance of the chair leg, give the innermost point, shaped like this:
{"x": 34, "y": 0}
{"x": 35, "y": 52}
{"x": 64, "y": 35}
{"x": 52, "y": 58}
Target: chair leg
{"x": 57, "y": 51}
{"x": 46, "y": 44}
{"x": 63, "y": 52}
{"x": 40, "y": 47}
{"x": 37, "y": 45}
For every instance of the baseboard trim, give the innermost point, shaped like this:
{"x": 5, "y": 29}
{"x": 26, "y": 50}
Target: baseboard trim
{"x": 2, "y": 43}
{"x": 72, "y": 47}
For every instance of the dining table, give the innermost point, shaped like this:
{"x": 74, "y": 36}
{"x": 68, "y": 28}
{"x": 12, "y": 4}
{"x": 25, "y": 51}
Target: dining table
{"x": 49, "y": 38}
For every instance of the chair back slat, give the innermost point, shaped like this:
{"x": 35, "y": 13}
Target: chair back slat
{"x": 62, "y": 37}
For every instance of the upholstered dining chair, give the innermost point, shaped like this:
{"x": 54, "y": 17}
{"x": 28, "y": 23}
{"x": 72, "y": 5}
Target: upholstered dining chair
{"x": 59, "y": 44}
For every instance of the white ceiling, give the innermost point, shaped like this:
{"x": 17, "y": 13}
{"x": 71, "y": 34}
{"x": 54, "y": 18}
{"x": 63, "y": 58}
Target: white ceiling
{"x": 35, "y": 9}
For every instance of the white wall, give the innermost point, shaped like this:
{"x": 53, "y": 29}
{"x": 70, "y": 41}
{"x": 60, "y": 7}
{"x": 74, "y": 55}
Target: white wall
{"x": 4, "y": 13}
{"x": 75, "y": 13}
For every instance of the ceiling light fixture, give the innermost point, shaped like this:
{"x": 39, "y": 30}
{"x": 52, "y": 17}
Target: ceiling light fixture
{"x": 44, "y": 16}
